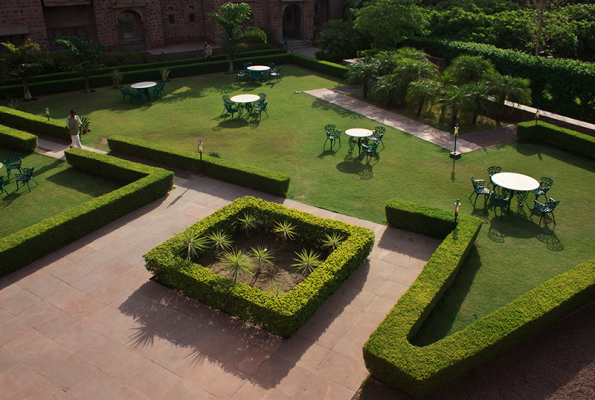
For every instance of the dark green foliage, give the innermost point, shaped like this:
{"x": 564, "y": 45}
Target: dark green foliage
{"x": 32, "y": 123}
{"x": 282, "y": 315}
{"x": 414, "y": 217}
{"x": 338, "y": 71}
{"x": 390, "y": 356}
{"x": 334, "y": 58}
{"x": 572, "y": 141}
{"x": 145, "y": 184}
{"x": 17, "y": 140}
{"x": 247, "y": 176}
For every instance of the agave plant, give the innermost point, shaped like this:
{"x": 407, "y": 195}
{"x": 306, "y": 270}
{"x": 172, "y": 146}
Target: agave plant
{"x": 332, "y": 241}
{"x": 277, "y": 290}
{"x": 307, "y": 261}
{"x": 117, "y": 77}
{"x": 192, "y": 243}
{"x": 285, "y": 230}
{"x": 220, "y": 241}
{"x": 248, "y": 222}
{"x": 16, "y": 104}
{"x": 164, "y": 73}
{"x": 261, "y": 255}
{"x": 237, "y": 262}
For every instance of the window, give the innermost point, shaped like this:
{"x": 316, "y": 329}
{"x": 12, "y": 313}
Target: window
{"x": 129, "y": 26}
{"x": 172, "y": 19}
{"x": 191, "y": 17}
{"x": 170, "y": 9}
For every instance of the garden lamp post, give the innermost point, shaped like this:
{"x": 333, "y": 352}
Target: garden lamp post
{"x": 454, "y": 153}
{"x": 457, "y": 210}
{"x": 47, "y": 112}
{"x": 200, "y": 152}
{"x": 536, "y": 116}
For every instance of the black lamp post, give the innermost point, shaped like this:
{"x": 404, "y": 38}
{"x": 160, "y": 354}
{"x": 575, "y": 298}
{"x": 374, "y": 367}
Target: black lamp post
{"x": 454, "y": 153}
{"x": 457, "y": 210}
{"x": 536, "y": 116}
{"x": 47, "y": 112}
{"x": 200, "y": 152}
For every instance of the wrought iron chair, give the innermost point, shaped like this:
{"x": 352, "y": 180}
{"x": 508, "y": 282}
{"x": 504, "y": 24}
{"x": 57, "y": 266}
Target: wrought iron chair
{"x": 125, "y": 92}
{"x": 155, "y": 94}
{"x": 378, "y": 134}
{"x": 493, "y": 170}
{"x": 226, "y": 100}
{"x": 263, "y": 97}
{"x": 501, "y": 200}
{"x": 161, "y": 86}
{"x": 247, "y": 64}
{"x": 544, "y": 185}
{"x": 137, "y": 95}
{"x": 256, "y": 75}
{"x": 371, "y": 150}
{"x": 231, "y": 109}
{"x": 546, "y": 208}
{"x": 332, "y": 134}
{"x": 259, "y": 107}
{"x": 12, "y": 161}
{"x": 25, "y": 177}
{"x": 241, "y": 75}
{"x": 2, "y": 185}
{"x": 276, "y": 73}
{"x": 479, "y": 188}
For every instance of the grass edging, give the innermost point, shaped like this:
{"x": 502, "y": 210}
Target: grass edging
{"x": 282, "y": 315}
{"x": 243, "y": 175}
{"x": 17, "y": 140}
{"x": 562, "y": 138}
{"x": 144, "y": 185}
{"x": 419, "y": 371}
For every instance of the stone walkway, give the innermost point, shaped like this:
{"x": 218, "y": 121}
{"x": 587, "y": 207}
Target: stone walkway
{"x": 86, "y": 322}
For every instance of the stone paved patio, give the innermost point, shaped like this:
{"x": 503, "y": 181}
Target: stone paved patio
{"x": 87, "y": 322}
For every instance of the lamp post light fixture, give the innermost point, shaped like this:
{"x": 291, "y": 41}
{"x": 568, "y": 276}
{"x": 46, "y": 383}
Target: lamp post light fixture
{"x": 536, "y": 116}
{"x": 200, "y": 152}
{"x": 454, "y": 153}
{"x": 47, "y": 112}
{"x": 457, "y": 210}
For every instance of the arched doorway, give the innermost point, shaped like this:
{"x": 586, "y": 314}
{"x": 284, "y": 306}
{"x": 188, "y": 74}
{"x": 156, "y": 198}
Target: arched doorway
{"x": 292, "y": 22}
{"x": 131, "y": 31}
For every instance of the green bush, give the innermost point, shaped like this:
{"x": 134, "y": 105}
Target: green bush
{"x": 251, "y": 177}
{"x": 391, "y": 358}
{"x": 143, "y": 185}
{"x": 334, "y": 58}
{"x": 414, "y": 217}
{"x": 282, "y": 315}
{"x": 572, "y": 141}
{"x": 33, "y": 123}
{"x": 17, "y": 140}
{"x": 338, "y": 71}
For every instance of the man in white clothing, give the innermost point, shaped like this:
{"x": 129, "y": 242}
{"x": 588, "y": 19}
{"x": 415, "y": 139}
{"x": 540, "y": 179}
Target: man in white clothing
{"x": 72, "y": 126}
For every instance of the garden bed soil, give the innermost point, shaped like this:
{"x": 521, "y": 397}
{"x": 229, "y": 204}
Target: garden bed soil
{"x": 279, "y": 274}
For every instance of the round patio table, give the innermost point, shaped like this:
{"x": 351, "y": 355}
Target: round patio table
{"x": 245, "y": 98}
{"x": 515, "y": 182}
{"x": 359, "y": 133}
{"x": 144, "y": 86}
{"x": 261, "y": 68}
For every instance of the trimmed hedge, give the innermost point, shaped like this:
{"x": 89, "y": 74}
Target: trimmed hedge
{"x": 429, "y": 221}
{"x": 250, "y": 177}
{"x": 572, "y": 141}
{"x": 338, "y": 71}
{"x": 33, "y": 123}
{"x": 143, "y": 185}
{"x": 565, "y": 80}
{"x": 17, "y": 140}
{"x": 390, "y": 356}
{"x": 282, "y": 315}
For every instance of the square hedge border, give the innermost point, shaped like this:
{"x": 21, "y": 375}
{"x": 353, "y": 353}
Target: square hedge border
{"x": 282, "y": 315}
{"x": 393, "y": 359}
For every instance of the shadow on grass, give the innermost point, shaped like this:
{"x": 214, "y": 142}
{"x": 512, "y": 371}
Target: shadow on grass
{"x": 513, "y": 226}
{"x": 232, "y": 124}
{"x": 343, "y": 112}
{"x": 79, "y": 182}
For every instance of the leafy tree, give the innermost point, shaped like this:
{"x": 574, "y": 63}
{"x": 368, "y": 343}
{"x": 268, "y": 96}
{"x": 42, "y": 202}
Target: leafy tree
{"x": 388, "y": 22}
{"x": 86, "y": 55}
{"x": 339, "y": 37}
{"x": 422, "y": 92}
{"x": 22, "y": 62}
{"x": 230, "y": 18}
{"x": 362, "y": 72}
{"x": 545, "y": 23}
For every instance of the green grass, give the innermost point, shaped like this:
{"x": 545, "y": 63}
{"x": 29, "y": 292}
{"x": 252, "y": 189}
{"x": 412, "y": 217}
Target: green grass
{"x": 60, "y": 188}
{"x": 512, "y": 255}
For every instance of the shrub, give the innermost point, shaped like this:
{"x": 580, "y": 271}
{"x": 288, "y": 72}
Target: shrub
{"x": 17, "y": 140}
{"x": 143, "y": 185}
{"x": 251, "y": 177}
{"x": 338, "y": 71}
{"x": 282, "y": 315}
{"x": 574, "y": 142}
{"x": 29, "y": 122}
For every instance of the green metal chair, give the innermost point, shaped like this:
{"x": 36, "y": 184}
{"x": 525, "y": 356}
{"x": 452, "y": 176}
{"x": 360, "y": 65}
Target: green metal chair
{"x": 136, "y": 95}
{"x": 12, "y": 161}
{"x": 546, "y": 208}
{"x": 256, "y": 75}
{"x": 155, "y": 94}
{"x": 25, "y": 177}
{"x": 276, "y": 73}
{"x": 125, "y": 92}
{"x": 246, "y": 65}
{"x": 480, "y": 188}
{"x": 241, "y": 75}
{"x": 2, "y": 185}
{"x": 231, "y": 109}
{"x": 259, "y": 107}
{"x": 226, "y": 100}
{"x": 161, "y": 86}
{"x": 371, "y": 149}
{"x": 493, "y": 170}
{"x": 378, "y": 135}
{"x": 501, "y": 200}
{"x": 544, "y": 185}
{"x": 332, "y": 134}
{"x": 263, "y": 97}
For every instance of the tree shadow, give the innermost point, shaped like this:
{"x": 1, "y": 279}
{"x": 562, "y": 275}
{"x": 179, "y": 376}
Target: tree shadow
{"x": 330, "y": 107}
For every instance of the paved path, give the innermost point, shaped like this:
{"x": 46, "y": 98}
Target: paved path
{"x": 86, "y": 322}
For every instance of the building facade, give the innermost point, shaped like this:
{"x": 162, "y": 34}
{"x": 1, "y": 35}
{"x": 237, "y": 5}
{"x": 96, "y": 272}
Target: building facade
{"x": 135, "y": 25}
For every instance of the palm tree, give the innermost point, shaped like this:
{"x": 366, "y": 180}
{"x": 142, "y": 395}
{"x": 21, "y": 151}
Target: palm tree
{"x": 506, "y": 87}
{"x": 465, "y": 69}
{"x": 412, "y": 53}
{"x": 422, "y": 92}
{"x": 480, "y": 95}
{"x": 388, "y": 86}
{"x": 454, "y": 99}
{"x": 410, "y": 70}
{"x": 362, "y": 72}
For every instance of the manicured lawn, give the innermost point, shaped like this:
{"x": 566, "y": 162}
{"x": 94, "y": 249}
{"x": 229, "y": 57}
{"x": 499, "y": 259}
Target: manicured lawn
{"x": 60, "y": 188}
{"x": 512, "y": 255}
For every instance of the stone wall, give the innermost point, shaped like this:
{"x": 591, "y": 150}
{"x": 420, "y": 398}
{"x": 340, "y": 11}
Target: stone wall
{"x": 24, "y": 17}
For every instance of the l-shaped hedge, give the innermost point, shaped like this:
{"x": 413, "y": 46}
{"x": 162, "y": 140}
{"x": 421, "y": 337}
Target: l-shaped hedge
{"x": 144, "y": 184}
{"x": 390, "y": 356}
{"x": 243, "y": 175}
{"x": 33, "y": 123}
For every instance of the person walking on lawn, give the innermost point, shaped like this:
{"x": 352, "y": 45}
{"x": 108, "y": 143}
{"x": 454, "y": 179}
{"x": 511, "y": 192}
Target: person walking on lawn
{"x": 72, "y": 127}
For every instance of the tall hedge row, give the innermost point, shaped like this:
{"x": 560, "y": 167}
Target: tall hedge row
{"x": 34, "y": 123}
{"x": 564, "y": 85}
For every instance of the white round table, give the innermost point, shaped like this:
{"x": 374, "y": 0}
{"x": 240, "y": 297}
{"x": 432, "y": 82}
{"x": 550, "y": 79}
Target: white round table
{"x": 359, "y": 133}
{"x": 514, "y": 181}
{"x": 143, "y": 85}
{"x": 261, "y": 68}
{"x": 245, "y": 98}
